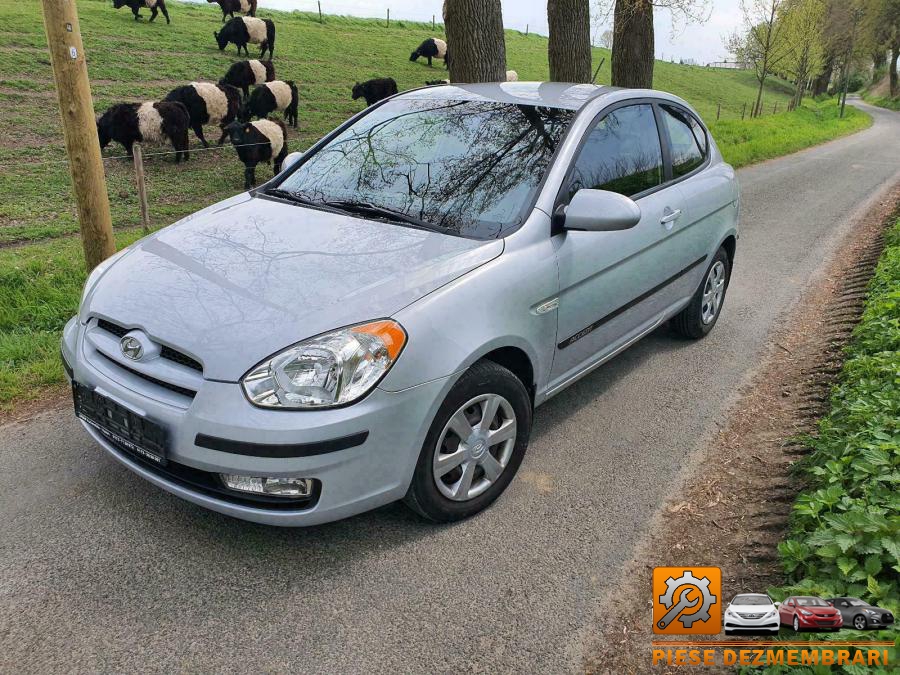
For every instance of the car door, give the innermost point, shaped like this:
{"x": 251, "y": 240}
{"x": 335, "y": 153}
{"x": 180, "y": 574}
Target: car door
{"x": 786, "y": 611}
{"x": 613, "y": 285}
{"x": 708, "y": 192}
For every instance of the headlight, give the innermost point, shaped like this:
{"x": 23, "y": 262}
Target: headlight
{"x": 329, "y": 370}
{"x": 806, "y": 612}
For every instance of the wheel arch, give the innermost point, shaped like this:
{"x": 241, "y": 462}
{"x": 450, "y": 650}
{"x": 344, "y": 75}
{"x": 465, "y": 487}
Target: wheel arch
{"x": 517, "y": 361}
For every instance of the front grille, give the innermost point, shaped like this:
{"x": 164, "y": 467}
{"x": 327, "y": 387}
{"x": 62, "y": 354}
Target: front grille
{"x": 166, "y": 352}
{"x": 190, "y": 393}
{"x": 749, "y": 616}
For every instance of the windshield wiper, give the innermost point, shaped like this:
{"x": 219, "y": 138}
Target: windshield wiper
{"x": 291, "y": 196}
{"x": 369, "y": 209}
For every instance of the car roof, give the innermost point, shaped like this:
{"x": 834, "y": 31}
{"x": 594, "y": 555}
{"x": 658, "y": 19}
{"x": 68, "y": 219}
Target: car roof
{"x": 547, "y": 94}
{"x": 759, "y": 595}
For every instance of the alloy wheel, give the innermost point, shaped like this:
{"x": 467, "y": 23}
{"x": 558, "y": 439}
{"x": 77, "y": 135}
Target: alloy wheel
{"x": 796, "y": 625}
{"x": 713, "y": 292}
{"x": 859, "y": 623}
{"x": 474, "y": 447}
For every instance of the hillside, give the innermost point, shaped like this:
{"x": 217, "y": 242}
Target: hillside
{"x": 130, "y": 60}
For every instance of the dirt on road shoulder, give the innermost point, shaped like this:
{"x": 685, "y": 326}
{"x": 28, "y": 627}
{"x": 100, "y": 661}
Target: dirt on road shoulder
{"x": 735, "y": 495}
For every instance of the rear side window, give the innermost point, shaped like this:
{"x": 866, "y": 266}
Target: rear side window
{"x": 621, "y": 154}
{"x": 687, "y": 138}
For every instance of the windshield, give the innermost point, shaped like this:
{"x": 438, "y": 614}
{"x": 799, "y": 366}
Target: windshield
{"x": 751, "y": 600}
{"x": 858, "y": 603}
{"x": 470, "y": 168}
{"x": 811, "y": 602}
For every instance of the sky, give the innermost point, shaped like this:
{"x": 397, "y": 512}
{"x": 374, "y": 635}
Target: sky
{"x": 700, "y": 42}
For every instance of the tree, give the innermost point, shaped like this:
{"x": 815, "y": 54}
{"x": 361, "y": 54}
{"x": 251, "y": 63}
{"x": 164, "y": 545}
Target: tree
{"x": 476, "y": 45}
{"x": 880, "y": 31}
{"x": 569, "y": 50}
{"x": 606, "y": 39}
{"x": 633, "y": 49}
{"x": 762, "y": 45}
{"x": 804, "y": 22}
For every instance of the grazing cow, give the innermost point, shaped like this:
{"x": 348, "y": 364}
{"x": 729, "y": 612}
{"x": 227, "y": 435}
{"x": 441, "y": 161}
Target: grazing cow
{"x": 244, "y": 29}
{"x": 229, "y": 7}
{"x": 155, "y": 7}
{"x": 244, "y": 73}
{"x": 255, "y": 142}
{"x": 208, "y": 104}
{"x": 148, "y": 122}
{"x": 271, "y": 97}
{"x": 375, "y": 90}
{"x": 512, "y": 76}
{"x": 432, "y": 83}
{"x": 432, "y": 48}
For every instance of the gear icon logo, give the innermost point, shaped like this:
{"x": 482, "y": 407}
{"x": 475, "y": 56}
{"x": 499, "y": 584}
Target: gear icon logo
{"x": 687, "y": 600}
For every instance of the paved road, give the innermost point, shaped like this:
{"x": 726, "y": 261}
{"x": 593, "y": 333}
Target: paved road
{"x": 99, "y": 570}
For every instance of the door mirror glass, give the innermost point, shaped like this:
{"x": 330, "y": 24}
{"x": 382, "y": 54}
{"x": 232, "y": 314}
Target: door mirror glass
{"x": 601, "y": 211}
{"x": 778, "y": 604}
{"x": 291, "y": 159}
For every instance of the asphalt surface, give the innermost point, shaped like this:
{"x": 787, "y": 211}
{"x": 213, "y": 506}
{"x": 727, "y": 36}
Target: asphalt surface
{"x": 101, "y": 571}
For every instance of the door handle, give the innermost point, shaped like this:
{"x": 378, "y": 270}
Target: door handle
{"x": 670, "y": 217}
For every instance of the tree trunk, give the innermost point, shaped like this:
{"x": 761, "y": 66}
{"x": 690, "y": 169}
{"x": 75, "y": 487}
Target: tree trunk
{"x": 895, "y": 52}
{"x": 879, "y": 59}
{"x": 569, "y": 50}
{"x": 475, "y": 40}
{"x": 820, "y": 84}
{"x": 633, "y": 44}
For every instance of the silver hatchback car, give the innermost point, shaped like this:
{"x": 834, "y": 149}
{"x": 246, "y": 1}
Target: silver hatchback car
{"x": 379, "y": 321}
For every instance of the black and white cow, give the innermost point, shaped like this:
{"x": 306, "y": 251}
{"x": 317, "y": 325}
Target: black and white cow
{"x": 375, "y": 90}
{"x": 229, "y": 7}
{"x": 248, "y": 29}
{"x": 148, "y": 122}
{"x": 433, "y": 83}
{"x": 272, "y": 97}
{"x": 259, "y": 141}
{"x": 155, "y": 7}
{"x": 432, "y": 48}
{"x": 208, "y": 104}
{"x": 245, "y": 73}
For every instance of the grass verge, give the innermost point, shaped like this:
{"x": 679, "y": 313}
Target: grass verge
{"x": 746, "y": 142}
{"x": 845, "y": 535}
{"x": 883, "y": 101}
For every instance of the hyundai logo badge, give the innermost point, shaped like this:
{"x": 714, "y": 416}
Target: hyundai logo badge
{"x": 131, "y": 348}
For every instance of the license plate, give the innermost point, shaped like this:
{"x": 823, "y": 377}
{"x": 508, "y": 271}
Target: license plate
{"x": 128, "y": 431}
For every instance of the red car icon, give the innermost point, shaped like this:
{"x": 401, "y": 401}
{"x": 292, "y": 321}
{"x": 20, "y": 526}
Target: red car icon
{"x": 804, "y": 612}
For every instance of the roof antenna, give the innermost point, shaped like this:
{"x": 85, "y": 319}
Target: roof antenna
{"x": 597, "y": 72}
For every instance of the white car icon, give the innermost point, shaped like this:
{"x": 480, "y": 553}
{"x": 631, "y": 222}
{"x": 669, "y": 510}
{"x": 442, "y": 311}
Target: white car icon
{"x": 751, "y": 612}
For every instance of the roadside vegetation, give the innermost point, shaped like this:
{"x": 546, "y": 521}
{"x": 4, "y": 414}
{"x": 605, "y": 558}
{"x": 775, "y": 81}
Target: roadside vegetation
{"x": 41, "y": 270}
{"x": 883, "y": 101}
{"x": 845, "y": 534}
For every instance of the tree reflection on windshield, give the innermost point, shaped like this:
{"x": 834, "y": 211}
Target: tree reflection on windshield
{"x": 466, "y": 167}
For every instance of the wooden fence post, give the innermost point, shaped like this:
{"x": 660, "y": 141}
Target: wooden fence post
{"x": 432, "y": 22}
{"x": 141, "y": 187}
{"x": 79, "y": 129}
{"x": 389, "y": 18}
{"x": 320, "y": 12}
{"x": 718, "y": 111}
{"x": 743, "y": 111}
{"x": 775, "y": 109}
{"x": 526, "y": 30}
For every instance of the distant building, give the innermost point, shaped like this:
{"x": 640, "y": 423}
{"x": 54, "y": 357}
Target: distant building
{"x": 734, "y": 65}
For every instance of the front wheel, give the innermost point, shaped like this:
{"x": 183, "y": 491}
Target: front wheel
{"x": 474, "y": 446}
{"x": 859, "y": 622}
{"x": 796, "y": 625}
{"x": 702, "y": 312}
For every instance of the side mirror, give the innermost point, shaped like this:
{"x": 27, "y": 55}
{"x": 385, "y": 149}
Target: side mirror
{"x": 777, "y": 604}
{"x": 600, "y": 211}
{"x": 291, "y": 159}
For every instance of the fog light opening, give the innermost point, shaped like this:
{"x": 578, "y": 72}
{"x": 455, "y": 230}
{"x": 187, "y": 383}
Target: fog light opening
{"x": 295, "y": 488}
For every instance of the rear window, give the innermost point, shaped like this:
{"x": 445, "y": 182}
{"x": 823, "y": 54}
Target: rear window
{"x": 688, "y": 140}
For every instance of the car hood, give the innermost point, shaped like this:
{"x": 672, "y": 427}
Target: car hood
{"x": 820, "y": 611}
{"x": 242, "y": 280}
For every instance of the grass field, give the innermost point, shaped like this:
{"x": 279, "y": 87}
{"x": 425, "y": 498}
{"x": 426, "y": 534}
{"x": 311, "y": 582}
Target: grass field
{"x": 127, "y": 60}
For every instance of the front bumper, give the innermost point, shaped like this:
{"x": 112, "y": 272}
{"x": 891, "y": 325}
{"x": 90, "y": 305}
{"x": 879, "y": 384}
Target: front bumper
{"x": 354, "y": 479}
{"x": 820, "y": 622}
{"x": 736, "y": 623}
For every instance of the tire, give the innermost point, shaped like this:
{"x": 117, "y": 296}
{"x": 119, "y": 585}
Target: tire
{"x": 448, "y": 497}
{"x": 693, "y": 321}
{"x": 796, "y": 624}
{"x": 865, "y": 624}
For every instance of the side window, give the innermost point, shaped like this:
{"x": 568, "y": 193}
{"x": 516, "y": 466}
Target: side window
{"x": 688, "y": 140}
{"x": 621, "y": 154}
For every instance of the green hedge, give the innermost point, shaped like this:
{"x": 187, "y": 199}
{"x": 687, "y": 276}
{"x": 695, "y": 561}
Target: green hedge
{"x": 845, "y": 534}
